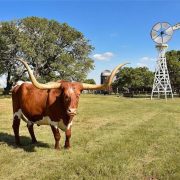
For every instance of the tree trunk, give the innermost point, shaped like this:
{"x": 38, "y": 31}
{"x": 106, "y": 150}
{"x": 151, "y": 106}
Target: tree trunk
{"x": 9, "y": 84}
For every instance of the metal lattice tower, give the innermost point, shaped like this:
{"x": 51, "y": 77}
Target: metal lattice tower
{"x": 161, "y": 33}
{"x": 162, "y": 83}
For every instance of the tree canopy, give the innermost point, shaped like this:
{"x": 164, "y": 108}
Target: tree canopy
{"x": 133, "y": 79}
{"x": 53, "y": 50}
{"x": 173, "y": 63}
{"x": 90, "y": 81}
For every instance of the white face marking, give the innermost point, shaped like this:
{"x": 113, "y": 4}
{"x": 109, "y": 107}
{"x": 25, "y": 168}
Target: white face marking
{"x": 70, "y": 90}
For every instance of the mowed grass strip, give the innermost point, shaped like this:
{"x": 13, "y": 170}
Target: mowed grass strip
{"x": 112, "y": 138}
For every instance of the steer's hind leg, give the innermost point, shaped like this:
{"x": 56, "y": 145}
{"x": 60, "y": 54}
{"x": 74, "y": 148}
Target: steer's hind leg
{"x": 57, "y": 136}
{"x": 31, "y": 132}
{"x": 15, "y": 126}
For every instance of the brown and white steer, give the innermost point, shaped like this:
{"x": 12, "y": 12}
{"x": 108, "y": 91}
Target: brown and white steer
{"x": 53, "y": 104}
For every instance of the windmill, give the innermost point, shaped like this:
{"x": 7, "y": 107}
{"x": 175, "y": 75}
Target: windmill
{"x": 161, "y": 33}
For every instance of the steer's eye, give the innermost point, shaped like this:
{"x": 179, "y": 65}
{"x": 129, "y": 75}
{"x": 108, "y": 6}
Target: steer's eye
{"x": 67, "y": 99}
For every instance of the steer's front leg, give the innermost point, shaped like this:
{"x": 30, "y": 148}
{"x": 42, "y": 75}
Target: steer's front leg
{"x": 68, "y": 136}
{"x": 31, "y": 132}
{"x": 57, "y": 137}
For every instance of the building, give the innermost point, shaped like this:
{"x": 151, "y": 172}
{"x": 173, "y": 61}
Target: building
{"x": 104, "y": 75}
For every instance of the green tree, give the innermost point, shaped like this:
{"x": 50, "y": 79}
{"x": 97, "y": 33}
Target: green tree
{"x": 54, "y": 50}
{"x": 173, "y": 63}
{"x": 9, "y": 49}
{"x": 90, "y": 81}
{"x": 134, "y": 79}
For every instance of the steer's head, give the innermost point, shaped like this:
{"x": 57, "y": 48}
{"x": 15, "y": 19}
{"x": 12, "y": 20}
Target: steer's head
{"x": 70, "y": 96}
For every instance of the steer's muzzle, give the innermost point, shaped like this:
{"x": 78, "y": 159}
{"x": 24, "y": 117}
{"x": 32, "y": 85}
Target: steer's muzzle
{"x": 72, "y": 111}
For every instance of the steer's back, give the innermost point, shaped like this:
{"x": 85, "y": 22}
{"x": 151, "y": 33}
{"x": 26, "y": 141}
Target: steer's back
{"x": 29, "y": 99}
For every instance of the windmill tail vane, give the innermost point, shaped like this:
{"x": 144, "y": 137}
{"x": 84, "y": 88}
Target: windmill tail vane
{"x": 176, "y": 26}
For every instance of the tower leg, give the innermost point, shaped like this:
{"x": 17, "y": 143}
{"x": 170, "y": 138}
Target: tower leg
{"x": 161, "y": 80}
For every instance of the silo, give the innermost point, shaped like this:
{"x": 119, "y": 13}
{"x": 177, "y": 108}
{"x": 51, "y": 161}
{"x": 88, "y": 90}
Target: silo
{"x": 104, "y": 75}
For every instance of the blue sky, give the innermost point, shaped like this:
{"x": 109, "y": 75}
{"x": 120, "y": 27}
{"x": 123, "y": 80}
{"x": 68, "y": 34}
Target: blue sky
{"x": 119, "y": 30}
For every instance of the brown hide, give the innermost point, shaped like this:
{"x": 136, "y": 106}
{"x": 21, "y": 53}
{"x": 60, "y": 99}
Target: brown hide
{"x": 36, "y": 103}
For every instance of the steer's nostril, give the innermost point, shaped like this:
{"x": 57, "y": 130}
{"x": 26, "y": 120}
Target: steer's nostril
{"x": 71, "y": 111}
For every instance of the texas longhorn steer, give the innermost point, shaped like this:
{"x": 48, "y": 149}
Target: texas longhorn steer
{"x": 53, "y": 104}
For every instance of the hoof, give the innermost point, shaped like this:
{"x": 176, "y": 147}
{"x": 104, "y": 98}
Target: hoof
{"x": 57, "y": 148}
{"x": 67, "y": 147}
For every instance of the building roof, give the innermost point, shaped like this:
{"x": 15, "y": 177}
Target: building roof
{"x": 106, "y": 73}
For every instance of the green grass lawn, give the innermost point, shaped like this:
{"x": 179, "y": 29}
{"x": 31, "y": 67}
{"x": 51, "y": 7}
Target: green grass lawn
{"x": 112, "y": 138}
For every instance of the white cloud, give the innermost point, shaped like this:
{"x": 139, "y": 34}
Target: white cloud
{"x": 103, "y": 57}
{"x": 147, "y": 62}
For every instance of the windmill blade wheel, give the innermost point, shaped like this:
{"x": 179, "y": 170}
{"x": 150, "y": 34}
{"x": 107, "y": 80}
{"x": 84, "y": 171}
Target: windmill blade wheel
{"x": 161, "y": 32}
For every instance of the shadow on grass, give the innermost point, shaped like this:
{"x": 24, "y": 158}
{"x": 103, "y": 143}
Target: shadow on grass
{"x": 2, "y": 96}
{"x": 25, "y": 141}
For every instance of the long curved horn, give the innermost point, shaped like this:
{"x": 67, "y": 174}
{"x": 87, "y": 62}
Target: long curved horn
{"x": 107, "y": 84}
{"x": 51, "y": 85}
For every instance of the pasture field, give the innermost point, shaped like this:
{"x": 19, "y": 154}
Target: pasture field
{"x": 112, "y": 138}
